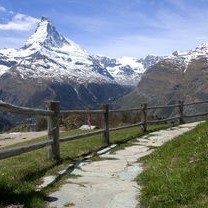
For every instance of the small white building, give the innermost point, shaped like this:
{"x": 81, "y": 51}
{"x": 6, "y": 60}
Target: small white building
{"x": 87, "y": 127}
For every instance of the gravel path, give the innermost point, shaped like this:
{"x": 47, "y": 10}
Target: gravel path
{"x": 109, "y": 183}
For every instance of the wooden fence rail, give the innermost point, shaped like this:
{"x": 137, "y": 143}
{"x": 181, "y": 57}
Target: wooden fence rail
{"x": 80, "y": 136}
{"x": 163, "y": 120}
{"x": 162, "y": 107}
{"x": 196, "y": 103}
{"x": 126, "y": 127}
{"x": 125, "y": 110}
{"x": 23, "y": 149}
{"x": 22, "y": 110}
{"x": 69, "y": 112}
{"x": 53, "y": 114}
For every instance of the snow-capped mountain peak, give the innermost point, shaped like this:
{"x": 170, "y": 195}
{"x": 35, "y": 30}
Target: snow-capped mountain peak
{"x": 51, "y": 67}
{"x": 52, "y": 56}
{"x": 47, "y": 40}
{"x": 46, "y": 35}
{"x": 127, "y": 70}
{"x": 184, "y": 58}
{"x": 203, "y": 46}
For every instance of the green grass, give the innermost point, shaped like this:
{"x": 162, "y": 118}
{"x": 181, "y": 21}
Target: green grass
{"x": 20, "y": 175}
{"x": 176, "y": 174}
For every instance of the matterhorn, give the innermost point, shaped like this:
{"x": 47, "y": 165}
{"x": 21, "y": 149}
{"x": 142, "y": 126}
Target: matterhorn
{"x": 52, "y": 67}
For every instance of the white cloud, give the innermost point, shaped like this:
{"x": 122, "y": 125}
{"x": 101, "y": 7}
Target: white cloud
{"x": 20, "y": 22}
{"x": 2, "y": 9}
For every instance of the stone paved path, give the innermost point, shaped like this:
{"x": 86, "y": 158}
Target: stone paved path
{"x": 109, "y": 183}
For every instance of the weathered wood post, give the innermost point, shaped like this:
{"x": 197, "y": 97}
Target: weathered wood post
{"x": 53, "y": 130}
{"x": 181, "y": 111}
{"x": 144, "y": 117}
{"x": 106, "y": 135}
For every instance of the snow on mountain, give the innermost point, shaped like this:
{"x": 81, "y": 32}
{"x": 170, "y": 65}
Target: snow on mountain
{"x": 181, "y": 76}
{"x": 184, "y": 58}
{"x": 8, "y": 59}
{"x": 51, "y": 67}
{"x": 127, "y": 70}
{"x": 49, "y": 55}
{"x": 46, "y": 37}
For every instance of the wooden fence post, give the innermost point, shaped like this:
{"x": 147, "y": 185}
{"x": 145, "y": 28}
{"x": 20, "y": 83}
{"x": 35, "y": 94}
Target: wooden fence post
{"x": 181, "y": 111}
{"x": 144, "y": 117}
{"x": 53, "y": 130}
{"x": 106, "y": 135}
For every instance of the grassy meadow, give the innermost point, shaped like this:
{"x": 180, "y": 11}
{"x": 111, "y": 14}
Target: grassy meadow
{"x": 176, "y": 174}
{"x": 20, "y": 175}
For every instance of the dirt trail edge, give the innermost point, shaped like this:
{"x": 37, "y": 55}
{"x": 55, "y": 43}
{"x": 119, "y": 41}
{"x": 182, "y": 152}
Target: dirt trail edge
{"x": 7, "y": 139}
{"x": 109, "y": 183}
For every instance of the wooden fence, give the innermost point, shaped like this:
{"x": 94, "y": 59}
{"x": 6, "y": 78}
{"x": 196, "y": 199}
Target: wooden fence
{"x": 53, "y": 114}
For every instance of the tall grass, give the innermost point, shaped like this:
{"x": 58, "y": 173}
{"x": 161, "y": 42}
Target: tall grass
{"x": 176, "y": 174}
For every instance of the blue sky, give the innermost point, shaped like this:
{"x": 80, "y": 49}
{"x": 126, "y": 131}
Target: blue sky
{"x": 111, "y": 27}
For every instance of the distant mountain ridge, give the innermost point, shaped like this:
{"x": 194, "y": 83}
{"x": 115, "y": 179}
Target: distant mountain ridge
{"x": 52, "y": 67}
{"x": 181, "y": 76}
{"x": 127, "y": 70}
{"x": 56, "y": 57}
{"x": 55, "y": 54}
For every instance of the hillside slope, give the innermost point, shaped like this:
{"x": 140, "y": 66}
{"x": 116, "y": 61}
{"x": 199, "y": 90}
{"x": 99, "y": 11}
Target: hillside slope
{"x": 178, "y": 77}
